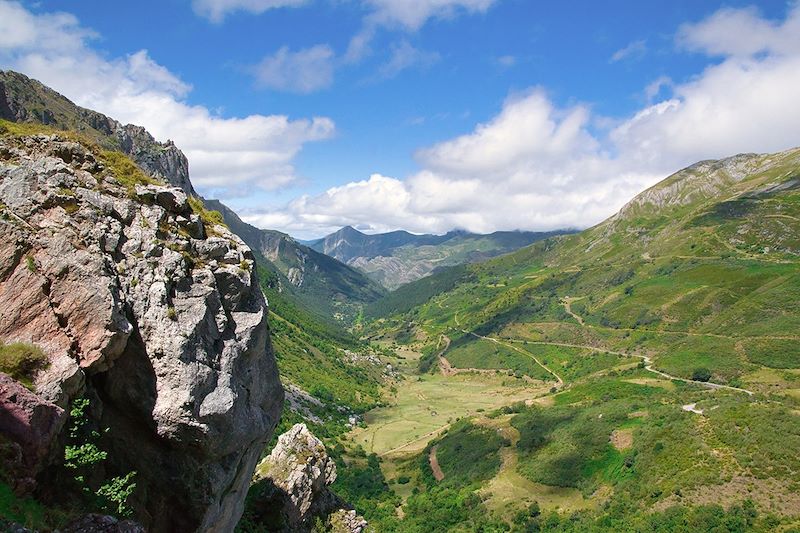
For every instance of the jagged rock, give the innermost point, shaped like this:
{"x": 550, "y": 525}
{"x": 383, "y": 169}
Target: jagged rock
{"x": 298, "y": 473}
{"x": 166, "y": 332}
{"x": 31, "y": 424}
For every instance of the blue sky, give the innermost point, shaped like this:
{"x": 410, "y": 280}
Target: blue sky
{"x": 482, "y": 114}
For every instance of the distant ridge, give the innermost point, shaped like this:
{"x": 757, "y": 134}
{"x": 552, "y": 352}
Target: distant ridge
{"x": 399, "y": 257}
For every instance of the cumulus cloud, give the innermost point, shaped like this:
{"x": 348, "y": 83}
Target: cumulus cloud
{"x": 217, "y": 10}
{"x": 224, "y": 153}
{"x": 536, "y": 165}
{"x": 743, "y": 33}
{"x": 304, "y": 71}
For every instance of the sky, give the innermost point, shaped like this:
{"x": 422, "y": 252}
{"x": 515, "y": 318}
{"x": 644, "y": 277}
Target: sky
{"x": 425, "y": 115}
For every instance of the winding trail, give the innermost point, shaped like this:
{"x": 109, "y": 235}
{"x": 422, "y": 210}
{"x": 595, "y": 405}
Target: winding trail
{"x": 648, "y": 362}
{"x": 520, "y": 350}
{"x": 567, "y": 303}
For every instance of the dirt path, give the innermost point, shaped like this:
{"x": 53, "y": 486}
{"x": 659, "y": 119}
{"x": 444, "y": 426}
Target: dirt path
{"x": 648, "y": 365}
{"x": 567, "y": 303}
{"x": 523, "y": 352}
{"x": 422, "y": 437}
{"x": 648, "y": 362}
{"x": 437, "y": 470}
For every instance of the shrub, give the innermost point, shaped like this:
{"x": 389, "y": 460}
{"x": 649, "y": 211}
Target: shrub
{"x": 701, "y": 374}
{"x": 21, "y": 361}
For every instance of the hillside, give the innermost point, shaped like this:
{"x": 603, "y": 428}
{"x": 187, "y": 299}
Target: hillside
{"x": 665, "y": 342}
{"x": 23, "y": 99}
{"x": 399, "y": 257}
{"x": 322, "y": 284}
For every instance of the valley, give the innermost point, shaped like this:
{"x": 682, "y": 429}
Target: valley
{"x": 640, "y": 375}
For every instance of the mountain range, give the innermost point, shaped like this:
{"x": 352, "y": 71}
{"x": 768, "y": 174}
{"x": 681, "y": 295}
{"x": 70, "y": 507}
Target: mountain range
{"x": 640, "y": 375}
{"x": 398, "y": 257}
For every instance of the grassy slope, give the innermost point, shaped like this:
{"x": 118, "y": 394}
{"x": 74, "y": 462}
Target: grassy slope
{"x": 703, "y": 270}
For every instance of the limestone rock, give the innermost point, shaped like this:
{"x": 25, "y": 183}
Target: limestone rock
{"x": 299, "y": 472}
{"x": 164, "y": 329}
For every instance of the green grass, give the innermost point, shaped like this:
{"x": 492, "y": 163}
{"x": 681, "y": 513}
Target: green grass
{"x": 426, "y": 404}
{"x": 471, "y": 352}
{"x": 208, "y": 217}
{"x": 773, "y": 353}
{"x": 467, "y": 454}
{"x": 125, "y": 171}
{"x": 21, "y": 361}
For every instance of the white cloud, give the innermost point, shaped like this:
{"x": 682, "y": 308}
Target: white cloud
{"x": 304, "y": 71}
{"x": 742, "y": 33}
{"x": 634, "y": 50}
{"x": 405, "y": 56}
{"x": 217, "y": 10}
{"x": 536, "y": 165}
{"x": 406, "y": 15}
{"x": 224, "y": 153}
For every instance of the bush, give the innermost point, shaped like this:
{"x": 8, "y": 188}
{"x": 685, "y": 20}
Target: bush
{"x": 701, "y": 374}
{"x": 21, "y": 361}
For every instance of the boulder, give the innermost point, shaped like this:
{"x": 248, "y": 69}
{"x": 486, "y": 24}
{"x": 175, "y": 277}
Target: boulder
{"x": 295, "y": 477}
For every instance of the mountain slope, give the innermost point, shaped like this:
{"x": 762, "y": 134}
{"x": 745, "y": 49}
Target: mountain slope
{"x": 323, "y": 284}
{"x": 668, "y": 339}
{"x": 711, "y": 250}
{"x": 399, "y": 257}
{"x": 23, "y": 99}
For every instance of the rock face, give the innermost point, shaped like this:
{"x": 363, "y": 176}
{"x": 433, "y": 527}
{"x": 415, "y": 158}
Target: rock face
{"x": 299, "y": 472}
{"x": 149, "y": 311}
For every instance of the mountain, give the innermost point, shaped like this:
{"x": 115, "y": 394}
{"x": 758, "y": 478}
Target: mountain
{"x": 399, "y": 257}
{"x": 25, "y": 100}
{"x": 323, "y": 284}
{"x": 665, "y": 344}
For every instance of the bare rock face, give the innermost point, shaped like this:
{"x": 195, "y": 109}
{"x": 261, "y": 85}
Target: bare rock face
{"x": 153, "y": 314}
{"x": 299, "y": 472}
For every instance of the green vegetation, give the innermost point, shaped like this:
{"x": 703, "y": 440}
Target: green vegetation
{"x": 467, "y": 454}
{"x": 411, "y": 295}
{"x": 705, "y": 289}
{"x": 83, "y": 455}
{"x": 208, "y": 217}
{"x": 21, "y": 361}
{"x": 125, "y": 171}
{"x": 471, "y": 352}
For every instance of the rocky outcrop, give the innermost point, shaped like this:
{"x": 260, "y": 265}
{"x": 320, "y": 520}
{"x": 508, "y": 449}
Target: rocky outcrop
{"x": 25, "y": 100}
{"x": 152, "y": 313}
{"x": 295, "y": 477}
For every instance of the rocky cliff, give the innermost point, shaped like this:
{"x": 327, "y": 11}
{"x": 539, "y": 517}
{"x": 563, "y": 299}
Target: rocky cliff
{"x": 146, "y": 306}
